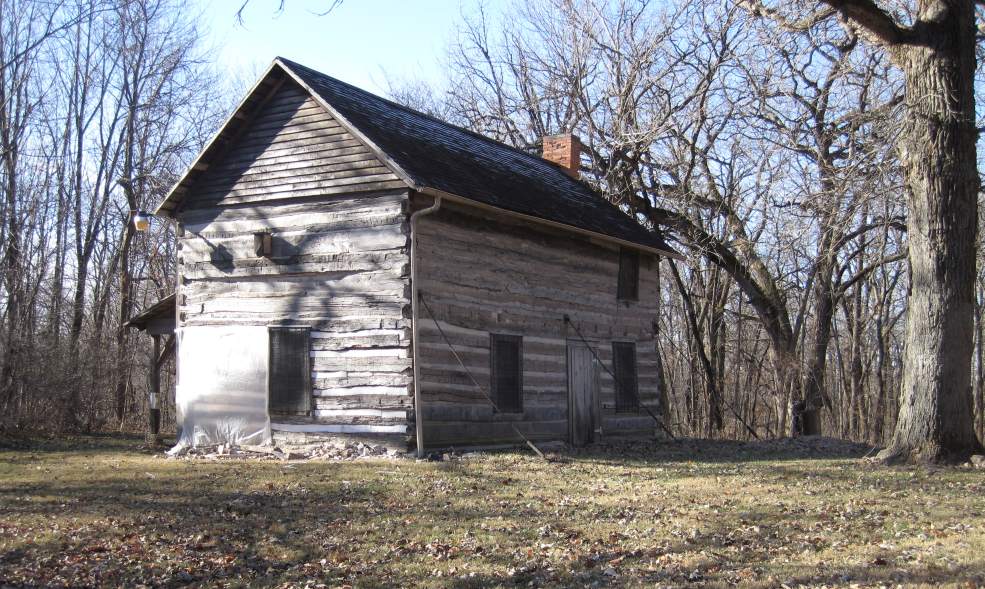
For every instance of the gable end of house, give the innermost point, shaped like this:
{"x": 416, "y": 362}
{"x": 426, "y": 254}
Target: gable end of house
{"x": 280, "y": 143}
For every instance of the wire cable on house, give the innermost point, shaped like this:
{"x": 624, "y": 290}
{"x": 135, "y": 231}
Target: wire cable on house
{"x": 647, "y": 409}
{"x": 595, "y": 355}
{"x": 468, "y": 372}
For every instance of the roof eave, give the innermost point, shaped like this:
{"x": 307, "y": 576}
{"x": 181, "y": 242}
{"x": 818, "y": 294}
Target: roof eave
{"x": 147, "y": 315}
{"x": 601, "y": 236}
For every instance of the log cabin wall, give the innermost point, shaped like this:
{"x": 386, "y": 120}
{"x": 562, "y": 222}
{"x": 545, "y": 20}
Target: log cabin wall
{"x": 339, "y": 261}
{"x": 484, "y": 273}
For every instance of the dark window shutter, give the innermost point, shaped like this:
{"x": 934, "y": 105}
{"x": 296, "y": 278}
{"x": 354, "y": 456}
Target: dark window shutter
{"x": 629, "y": 275}
{"x": 289, "y": 375}
{"x": 506, "y": 367}
{"x": 624, "y": 370}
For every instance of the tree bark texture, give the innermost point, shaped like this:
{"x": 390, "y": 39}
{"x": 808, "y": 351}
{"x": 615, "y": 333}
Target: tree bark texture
{"x": 938, "y": 153}
{"x": 817, "y": 361}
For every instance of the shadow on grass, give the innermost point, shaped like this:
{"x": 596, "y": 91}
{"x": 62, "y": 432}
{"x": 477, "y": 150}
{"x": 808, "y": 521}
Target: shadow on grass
{"x": 835, "y": 577}
{"x": 193, "y": 525}
{"x": 628, "y": 451}
{"x": 102, "y": 443}
{"x": 266, "y": 523}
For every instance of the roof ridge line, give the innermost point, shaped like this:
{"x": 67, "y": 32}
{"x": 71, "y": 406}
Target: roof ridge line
{"x": 414, "y": 111}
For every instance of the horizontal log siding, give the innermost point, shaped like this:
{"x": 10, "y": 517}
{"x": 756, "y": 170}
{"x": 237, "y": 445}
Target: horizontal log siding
{"x": 483, "y": 273}
{"x": 294, "y": 148}
{"x": 340, "y": 264}
{"x": 349, "y": 284}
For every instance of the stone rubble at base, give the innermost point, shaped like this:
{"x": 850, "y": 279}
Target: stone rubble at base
{"x": 337, "y": 450}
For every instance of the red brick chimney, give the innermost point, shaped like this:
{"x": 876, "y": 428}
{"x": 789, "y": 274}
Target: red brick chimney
{"x": 564, "y": 150}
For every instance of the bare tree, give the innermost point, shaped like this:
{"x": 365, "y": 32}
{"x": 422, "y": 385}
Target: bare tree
{"x": 107, "y": 102}
{"x": 935, "y": 49}
{"x": 764, "y": 151}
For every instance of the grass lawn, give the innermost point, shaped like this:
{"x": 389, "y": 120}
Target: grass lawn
{"x": 100, "y": 511}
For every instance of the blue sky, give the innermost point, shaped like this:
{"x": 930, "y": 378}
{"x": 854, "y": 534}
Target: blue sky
{"x": 357, "y": 42}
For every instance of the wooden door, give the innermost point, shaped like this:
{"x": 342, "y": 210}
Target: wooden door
{"x": 583, "y": 386}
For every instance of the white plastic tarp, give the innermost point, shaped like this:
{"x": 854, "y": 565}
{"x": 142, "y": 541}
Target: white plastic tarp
{"x": 221, "y": 393}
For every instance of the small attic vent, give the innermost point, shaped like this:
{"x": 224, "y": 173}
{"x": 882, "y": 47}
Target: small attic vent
{"x": 263, "y": 244}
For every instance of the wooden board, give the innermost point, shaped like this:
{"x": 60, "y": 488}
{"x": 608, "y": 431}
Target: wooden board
{"x": 583, "y": 393}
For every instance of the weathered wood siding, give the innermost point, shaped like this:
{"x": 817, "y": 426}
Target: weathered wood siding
{"x": 340, "y": 265}
{"x": 293, "y": 149}
{"x": 483, "y": 273}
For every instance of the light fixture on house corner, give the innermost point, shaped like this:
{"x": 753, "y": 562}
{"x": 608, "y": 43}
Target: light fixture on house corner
{"x": 141, "y": 220}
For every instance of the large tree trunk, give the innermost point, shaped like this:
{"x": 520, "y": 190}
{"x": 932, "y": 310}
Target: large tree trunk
{"x": 937, "y": 150}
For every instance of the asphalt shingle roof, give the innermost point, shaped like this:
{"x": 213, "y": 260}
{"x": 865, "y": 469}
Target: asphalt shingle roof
{"x": 444, "y": 157}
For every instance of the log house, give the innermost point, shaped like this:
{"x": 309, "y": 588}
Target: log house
{"x": 411, "y": 281}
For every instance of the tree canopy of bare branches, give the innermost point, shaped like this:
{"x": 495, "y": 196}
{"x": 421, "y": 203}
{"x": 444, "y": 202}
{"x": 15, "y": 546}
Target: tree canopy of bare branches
{"x": 767, "y": 148}
{"x": 101, "y": 106}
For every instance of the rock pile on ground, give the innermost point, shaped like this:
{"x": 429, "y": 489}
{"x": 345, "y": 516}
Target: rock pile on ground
{"x": 336, "y": 450}
{"x": 347, "y": 451}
